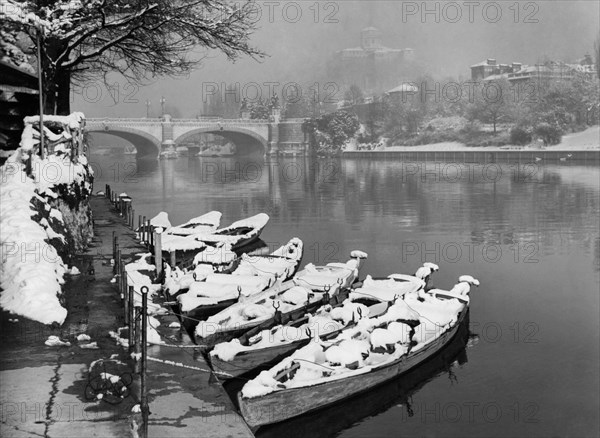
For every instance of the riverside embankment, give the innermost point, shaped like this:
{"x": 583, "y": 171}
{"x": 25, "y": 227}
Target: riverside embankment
{"x": 46, "y": 391}
{"x": 581, "y": 147}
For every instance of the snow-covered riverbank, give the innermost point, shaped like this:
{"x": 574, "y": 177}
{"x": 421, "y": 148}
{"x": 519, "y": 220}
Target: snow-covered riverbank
{"x": 584, "y": 140}
{"x": 37, "y": 196}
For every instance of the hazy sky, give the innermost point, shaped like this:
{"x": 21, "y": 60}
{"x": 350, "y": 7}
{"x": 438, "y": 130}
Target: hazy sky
{"x": 299, "y": 38}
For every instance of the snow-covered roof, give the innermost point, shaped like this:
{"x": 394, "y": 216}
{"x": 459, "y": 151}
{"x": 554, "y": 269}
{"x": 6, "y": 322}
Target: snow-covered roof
{"x": 404, "y": 88}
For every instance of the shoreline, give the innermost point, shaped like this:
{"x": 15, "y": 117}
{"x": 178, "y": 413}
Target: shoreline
{"x": 583, "y": 141}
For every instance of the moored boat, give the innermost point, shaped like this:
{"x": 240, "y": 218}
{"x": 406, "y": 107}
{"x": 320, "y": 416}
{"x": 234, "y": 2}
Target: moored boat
{"x": 374, "y": 351}
{"x": 206, "y": 223}
{"x": 308, "y": 290}
{"x": 214, "y": 292}
{"x": 265, "y": 345}
{"x": 238, "y": 234}
{"x": 396, "y": 394}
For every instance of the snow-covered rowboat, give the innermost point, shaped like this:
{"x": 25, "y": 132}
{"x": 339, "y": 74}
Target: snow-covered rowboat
{"x": 265, "y": 345}
{"x": 373, "y": 351}
{"x": 238, "y": 234}
{"x": 308, "y": 290}
{"x": 207, "y": 223}
{"x": 254, "y": 273}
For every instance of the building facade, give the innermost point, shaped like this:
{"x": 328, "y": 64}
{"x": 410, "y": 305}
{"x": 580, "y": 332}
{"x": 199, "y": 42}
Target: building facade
{"x": 516, "y": 73}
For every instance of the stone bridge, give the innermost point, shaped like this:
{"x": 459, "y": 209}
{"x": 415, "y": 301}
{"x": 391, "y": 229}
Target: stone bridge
{"x": 151, "y": 136}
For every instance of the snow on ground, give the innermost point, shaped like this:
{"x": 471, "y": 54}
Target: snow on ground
{"x": 584, "y": 140}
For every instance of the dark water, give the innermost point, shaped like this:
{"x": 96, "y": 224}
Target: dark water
{"x": 529, "y": 233}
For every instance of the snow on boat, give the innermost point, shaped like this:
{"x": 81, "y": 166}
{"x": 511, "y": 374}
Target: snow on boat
{"x": 373, "y": 351}
{"x": 264, "y": 345}
{"x": 207, "y": 223}
{"x": 399, "y": 392}
{"x": 213, "y": 292}
{"x": 289, "y": 299}
{"x": 238, "y": 234}
{"x": 181, "y": 237}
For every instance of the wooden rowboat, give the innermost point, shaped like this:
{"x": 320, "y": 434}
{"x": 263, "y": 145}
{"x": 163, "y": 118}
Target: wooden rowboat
{"x": 238, "y": 234}
{"x": 395, "y": 393}
{"x": 285, "y": 391}
{"x": 324, "y": 281}
{"x": 253, "y": 274}
{"x": 269, "y": 343}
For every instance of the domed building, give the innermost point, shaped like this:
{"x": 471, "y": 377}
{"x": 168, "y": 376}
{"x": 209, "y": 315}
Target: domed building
{"x": 371, "y": 66}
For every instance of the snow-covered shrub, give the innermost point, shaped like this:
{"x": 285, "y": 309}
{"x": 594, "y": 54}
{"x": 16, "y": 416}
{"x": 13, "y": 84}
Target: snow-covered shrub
{"x": 37, "y": 196}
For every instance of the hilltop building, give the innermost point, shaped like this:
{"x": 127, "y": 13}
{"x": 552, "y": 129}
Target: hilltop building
{"x": 371, "y": 66}
{"x": 490, "y": 70}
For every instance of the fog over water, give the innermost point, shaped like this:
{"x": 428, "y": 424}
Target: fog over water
{"x": 300, "y": 38}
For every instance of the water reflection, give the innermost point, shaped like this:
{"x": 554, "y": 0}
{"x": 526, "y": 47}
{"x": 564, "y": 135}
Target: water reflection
{"x": 553, "y": 207}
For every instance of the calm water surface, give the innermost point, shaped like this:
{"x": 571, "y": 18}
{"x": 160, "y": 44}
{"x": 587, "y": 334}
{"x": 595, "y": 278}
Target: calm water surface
{"x": 529, "y": 233}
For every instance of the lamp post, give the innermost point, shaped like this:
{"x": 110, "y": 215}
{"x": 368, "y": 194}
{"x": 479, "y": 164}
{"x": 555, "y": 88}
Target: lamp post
{"x": 162, "y": 105}
{"x": 147, "y": 109}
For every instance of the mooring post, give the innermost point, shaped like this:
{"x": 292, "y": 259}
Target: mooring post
{"x": 148, "y": 234}
{"x": 137, "y": 338}
{"x": 125, "y": 292}
{"x": 158, "y": 251}
{"x": 140, "y": 224}
{"x": 114, "y": 236}
{"x": 127, "y": 304}
{"x": 132, "y": 218}
{"x": 144, "y": 389}
{"x": 123, "y": 281}
{"x": 131, "y": 317}
{"x": 116, "y": 259}
{"x": 143, "y": 239}
{"x": 173, "y": 259}
{"x": 118, "y": 265}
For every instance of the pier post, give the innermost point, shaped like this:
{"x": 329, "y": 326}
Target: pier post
{"x": 116, "y": 259}
{"x": 123, "y": 281}
{"x": 130, "y": 316}
{"x": 118, "y": 263}
{"x": 150, "y": 234}
{"x": 173, "y": 259}
{"x": 143, "y": 230}
{"x": 140, "y": 224}
{"x": 158, "y": 252}
{"x": 144, "y": 389}
{"x": 137, "y": 338}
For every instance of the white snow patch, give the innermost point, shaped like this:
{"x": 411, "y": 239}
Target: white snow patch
{"x": 54, "y": 341}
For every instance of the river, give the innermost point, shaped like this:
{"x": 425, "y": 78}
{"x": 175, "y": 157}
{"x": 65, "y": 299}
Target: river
{"x": 529, "y": 233}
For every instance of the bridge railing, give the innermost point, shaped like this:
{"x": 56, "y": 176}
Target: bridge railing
{"x": 144, "y": 121}
{"x": 123, "y": 121}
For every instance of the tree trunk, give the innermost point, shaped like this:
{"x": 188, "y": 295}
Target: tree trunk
{"x": 63, "y": 93}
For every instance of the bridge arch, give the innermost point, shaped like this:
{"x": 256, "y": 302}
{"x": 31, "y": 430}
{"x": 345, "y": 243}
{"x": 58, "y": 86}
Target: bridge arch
{"x": 147, "y": 145}
{"x": 234, "y": 134}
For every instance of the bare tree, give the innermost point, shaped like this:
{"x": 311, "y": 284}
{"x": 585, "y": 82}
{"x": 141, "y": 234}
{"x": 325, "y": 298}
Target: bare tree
{"x": 83, "y": 39}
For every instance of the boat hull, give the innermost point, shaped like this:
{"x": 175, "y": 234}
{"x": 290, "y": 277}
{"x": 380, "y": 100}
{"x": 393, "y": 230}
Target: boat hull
{"x": 227, "y": 335}
{"x": 248, "y": 361}
{"x": 288, "y": 403}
